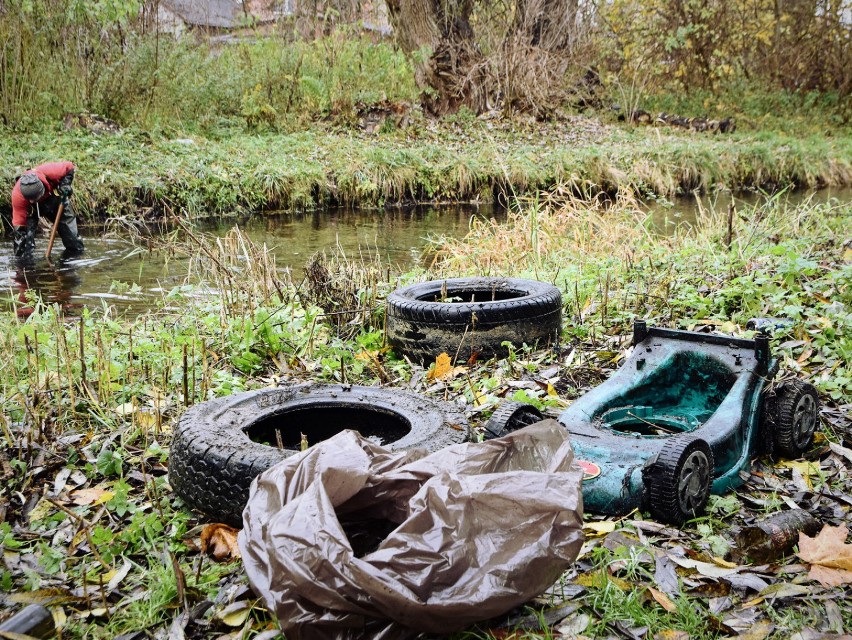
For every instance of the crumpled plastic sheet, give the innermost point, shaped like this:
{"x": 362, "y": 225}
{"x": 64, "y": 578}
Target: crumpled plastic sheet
{"x": 477, "y": 529}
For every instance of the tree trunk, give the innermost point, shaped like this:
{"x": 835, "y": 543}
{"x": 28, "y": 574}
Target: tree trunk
{"x": 453, "y": 76}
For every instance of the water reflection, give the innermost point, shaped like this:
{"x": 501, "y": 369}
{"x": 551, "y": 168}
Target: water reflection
{"x": 113, "y": 271}
{"x": 57, "y": 279}
{"x": 670, "y": 216}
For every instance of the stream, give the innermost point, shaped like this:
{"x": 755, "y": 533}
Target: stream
{"x": 114, "y": 272}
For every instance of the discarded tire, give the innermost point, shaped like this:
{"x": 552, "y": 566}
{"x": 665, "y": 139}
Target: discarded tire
{"x": 511, "y": 416}
{"x": 472, "y": 317}
{"x": 221, "y": 445}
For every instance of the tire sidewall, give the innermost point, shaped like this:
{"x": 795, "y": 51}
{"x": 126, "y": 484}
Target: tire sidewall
{"x": 460, "y": 312}
{"x": 421, "y": 328}
{"x": 213, "y": 461}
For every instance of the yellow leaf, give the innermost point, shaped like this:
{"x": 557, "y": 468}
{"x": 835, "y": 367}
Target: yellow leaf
{"x": 551, "y": 391}
{"x": 728, "y": 327}
{"x": 109, "y": 575}
{"x": 758, "y": 631}
{"x": 663, "y": 600}
{"x": 41, "y": 511}
{"x": 724, "y": 563}
{"x": 442, "y": 365}
{"x": 624, "y": 585}
{"x": 235, "y": 615}
{"x": 59, "y": 617}
{"x": 444, "y": 369}
{"x": 146, "y": 418}
{"x": 599, "y": 528}
{"x": 591, "y": 579}
{"x": 807, "y": 469}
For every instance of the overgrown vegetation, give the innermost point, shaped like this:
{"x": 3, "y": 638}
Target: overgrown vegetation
{"x": 112, "y": 59}
{"x": 90, "y": 526}
{"x": 109, "y": 59}
{"x": 88, "y": 523}
{"x": 136, "y": 175}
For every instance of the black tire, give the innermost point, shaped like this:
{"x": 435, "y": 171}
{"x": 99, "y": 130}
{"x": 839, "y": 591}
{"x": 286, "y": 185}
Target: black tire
{"x": 472, "y": 317}
{"x": 678, "y": 482}
{"x": 796, "y": 418}
{"x": 214, "y": 459}
{"x": 511, "y": 416}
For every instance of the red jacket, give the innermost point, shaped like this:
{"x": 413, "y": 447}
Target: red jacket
{"x": 50, "y": 174}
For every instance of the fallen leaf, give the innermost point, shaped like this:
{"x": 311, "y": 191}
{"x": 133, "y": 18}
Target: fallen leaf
{"x": 43, "y": 509}
{"x": 444, "y": 369}
{"x": 599, "y": 528}
{"x": 60, "y": 619}
{"x": 704, "y": 568}
{"x": 841, "y": 451}
{"x": 829, "y": 577}
{"x": 574, "y": 625}
{"x": 46, "y": 597}
{"x": 235, "y": 615}
{"x": 600, "y": 579}
{"x": 724, "y": 563}
{"x": 125, "y": 409}
{"x": 443, "y": 364}
{"x": 117, "y": 576}
{"x": 663, "y": 600}
{"x": 828, "y": 550}
{"x": 671, "y": 634}
{"x": 785, "y": 590}
{"x": 93, "y": 495}
{"x": 220, "y": 542}
{"x": 802, "y": 472}
{"x": 807, "y": 469}
{"x": 758, "y": 631}
{"x": 807, "y": 353}
{"x": 147, "y": 418}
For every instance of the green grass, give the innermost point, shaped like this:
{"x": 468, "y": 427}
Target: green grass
{"x": 134, "y": 172}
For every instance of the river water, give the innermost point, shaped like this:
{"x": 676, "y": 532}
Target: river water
{"x": 114, "y": 272}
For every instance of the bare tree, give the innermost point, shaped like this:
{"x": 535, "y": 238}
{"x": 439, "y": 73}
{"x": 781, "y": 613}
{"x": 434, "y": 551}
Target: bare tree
{"x": 481, "y": 54}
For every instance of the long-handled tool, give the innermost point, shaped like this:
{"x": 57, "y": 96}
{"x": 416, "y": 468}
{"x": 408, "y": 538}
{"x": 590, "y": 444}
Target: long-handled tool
{"x": 53, "y": 231}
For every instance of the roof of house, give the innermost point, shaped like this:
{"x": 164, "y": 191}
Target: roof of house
{"x": 223, "y": 14}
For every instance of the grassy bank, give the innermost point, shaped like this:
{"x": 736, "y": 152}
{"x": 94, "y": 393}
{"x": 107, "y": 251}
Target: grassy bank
{"x": 131, "y": 173}
{"x": 88, "y": 522}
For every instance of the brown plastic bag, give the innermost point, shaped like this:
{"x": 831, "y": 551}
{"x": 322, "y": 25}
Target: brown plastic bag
{"x": 482, "y": 528}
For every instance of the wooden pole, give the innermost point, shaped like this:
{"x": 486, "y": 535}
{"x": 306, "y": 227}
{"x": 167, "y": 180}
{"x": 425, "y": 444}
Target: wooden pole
{"x": 54, "y": 230}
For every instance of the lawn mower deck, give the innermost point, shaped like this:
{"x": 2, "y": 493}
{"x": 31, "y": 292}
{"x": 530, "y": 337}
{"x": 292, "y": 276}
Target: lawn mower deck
{"x": 681, "y": 418}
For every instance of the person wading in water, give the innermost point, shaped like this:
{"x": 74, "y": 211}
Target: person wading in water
{"x": 40, "y": 192}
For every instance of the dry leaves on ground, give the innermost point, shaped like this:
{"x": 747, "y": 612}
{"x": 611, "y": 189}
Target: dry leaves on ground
{"x": 219, "y": 541}
{"x": 829, "y": 556}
